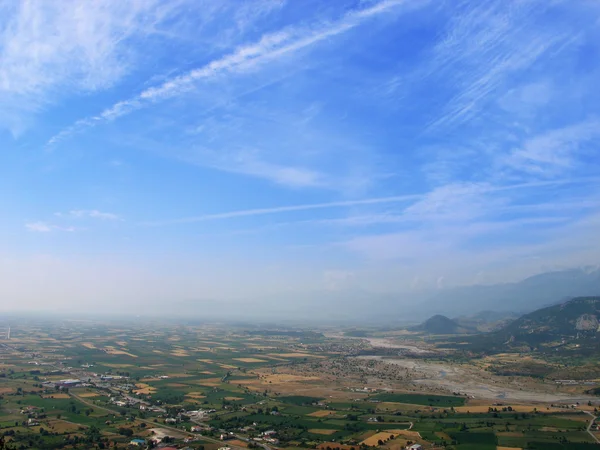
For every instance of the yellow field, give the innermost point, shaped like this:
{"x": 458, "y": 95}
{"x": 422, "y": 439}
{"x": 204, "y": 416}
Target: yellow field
{"x": 195, "y": 395}
{"x": 179, "y": 352}
{"x": 176, "y": 385}
{"x": 227, "y": 366}
{"x": 58, "y": 395}
{"x": 89, "y": 394}
{"x": 118, "y": 366}
{"x": 233, "y": 399}
{"x": 407, "y": 433}
{"x": 250, "y": 360}
{"x": 288, "y": 378}
{"x": 88, "y": 345}
{"x": 208, "y": 361}
{"x": 319, "y": 431}
{"x": 212, "y": 382}
{"x": 321, "y": 413}
{"x": 295, "y": 355}
{"x": 143, "y": 388}
{"x": 6, "y": 390}
{"x": 121, "y": 343}
{"x": 383, "y": 436}
{"x": 114, "y": 351}
{"x": 60, "y": 426}
{"x": 274, "y": 358}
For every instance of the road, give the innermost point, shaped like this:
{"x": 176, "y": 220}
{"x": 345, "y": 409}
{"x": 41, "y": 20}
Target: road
{"x": 589, "y": 428}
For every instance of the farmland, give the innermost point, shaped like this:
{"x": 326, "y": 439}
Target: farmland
{"x": 86, "y": 384}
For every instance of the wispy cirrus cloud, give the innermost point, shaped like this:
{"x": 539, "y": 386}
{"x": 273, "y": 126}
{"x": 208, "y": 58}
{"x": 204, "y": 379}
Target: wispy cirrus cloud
{"x": 269, "y": 47}
{"x": 443, "y": 200}
{"x": 554, "y": 152}
{"x": 46, "y": 47}
{"x": 484, "y": 48}
{"x": 88, "y": 214}
{"x": 283, "y": 209}
{"x": 65, "y": 218}
{"x": 44, "y": 227}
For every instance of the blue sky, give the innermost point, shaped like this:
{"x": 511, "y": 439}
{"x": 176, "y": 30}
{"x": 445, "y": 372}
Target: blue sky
{"x": 222, "y": 149}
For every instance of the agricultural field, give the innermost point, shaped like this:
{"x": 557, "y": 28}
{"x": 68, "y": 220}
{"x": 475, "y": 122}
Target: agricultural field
{"x": 83, "y": 384}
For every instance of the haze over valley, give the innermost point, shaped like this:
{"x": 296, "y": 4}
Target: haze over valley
{"x": 296, "y": 224}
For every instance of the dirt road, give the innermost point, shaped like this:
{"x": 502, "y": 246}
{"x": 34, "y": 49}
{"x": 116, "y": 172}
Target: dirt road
{"x": 589, "y": 428}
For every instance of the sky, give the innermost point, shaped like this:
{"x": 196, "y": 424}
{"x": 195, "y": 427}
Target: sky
{"x": 202, "y": 151}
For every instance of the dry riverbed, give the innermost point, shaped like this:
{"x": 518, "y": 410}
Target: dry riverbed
{"x": 475, "y": 383}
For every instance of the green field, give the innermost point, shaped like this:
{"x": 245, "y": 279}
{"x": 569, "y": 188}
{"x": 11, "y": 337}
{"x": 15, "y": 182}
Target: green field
{"x": 442, "y": 401}
{"x": 235, "y": 379}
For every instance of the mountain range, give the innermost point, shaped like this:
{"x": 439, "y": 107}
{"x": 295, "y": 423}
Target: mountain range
{"x": 524, "y": 296}
{"x": 362, "y": 307}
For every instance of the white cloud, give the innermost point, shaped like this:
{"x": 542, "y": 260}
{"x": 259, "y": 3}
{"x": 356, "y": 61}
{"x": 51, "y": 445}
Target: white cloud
{"x": 483, "y": 49}
{"x": 285, "y": 209}
{"x": 270, "y": 47}
{"x": 553, "y": 153}
{"x": 49, "y": 48}
{"x": 249, "y": 162}
{"x": 43, "y": 227}
{"x": 424, "y": 204}
{"x": 40, "y": 227}
{"x": 88, "y": 214}
{"x": 526, "y": 100}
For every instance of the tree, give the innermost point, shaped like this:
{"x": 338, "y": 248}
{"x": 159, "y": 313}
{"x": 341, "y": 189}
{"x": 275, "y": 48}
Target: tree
{"x": 93, "y": 433}
{"x": 125, "y": 431}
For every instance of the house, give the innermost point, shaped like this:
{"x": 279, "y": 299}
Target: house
{"x": 270, "y": 433}
{"x": 170, "y": 420}
{"x": 196, "y": 429}
{"x": 137, "y": 442}
{"x": 415, "y": 447}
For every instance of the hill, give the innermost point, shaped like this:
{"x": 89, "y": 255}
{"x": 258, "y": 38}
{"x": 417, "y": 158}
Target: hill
{"x": 571, "y": 327}
{"x": 439, "y": 324}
